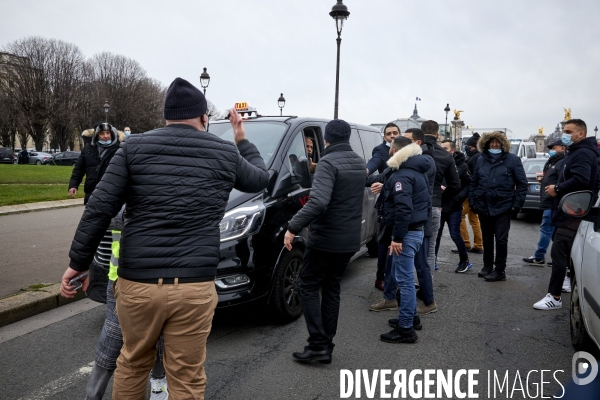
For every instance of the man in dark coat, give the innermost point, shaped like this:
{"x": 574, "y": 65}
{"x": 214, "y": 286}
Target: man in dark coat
{"x": 498, "y": 188}
{"x": 176, "y": 183}
{"x": 551, "y": 171}
{"x": 407, "y": 204}
{"x": 334, "y": 213}
{"x": 100, "y": 145}
{"x": 446, "y": 175}
{"x": 472, "y": 155}
{"x": 452, "y": 208}
{"x": 24, "y": 157}
{"x": 378, "y": 162}
{"x": 579, "y": 172}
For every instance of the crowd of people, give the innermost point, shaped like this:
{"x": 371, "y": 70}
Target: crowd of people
{"x": 176, "y": 180}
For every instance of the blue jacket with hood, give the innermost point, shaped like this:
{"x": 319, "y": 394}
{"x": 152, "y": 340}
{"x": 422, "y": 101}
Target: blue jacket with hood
{"x": 407, "y": 201}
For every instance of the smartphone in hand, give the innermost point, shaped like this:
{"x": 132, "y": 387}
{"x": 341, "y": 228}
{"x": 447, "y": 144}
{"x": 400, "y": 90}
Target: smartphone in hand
{"x": 77, "y": 281}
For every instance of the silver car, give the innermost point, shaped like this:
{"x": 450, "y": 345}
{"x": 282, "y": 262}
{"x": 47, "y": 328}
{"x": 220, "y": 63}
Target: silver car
{"x": 38, "y": 157}
{"x": 585, "y": 279}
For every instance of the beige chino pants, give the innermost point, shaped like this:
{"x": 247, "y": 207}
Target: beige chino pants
{"x": 183, "y": 313}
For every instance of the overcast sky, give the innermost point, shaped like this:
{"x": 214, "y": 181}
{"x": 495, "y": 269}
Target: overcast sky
{"x": 512, "y": 64}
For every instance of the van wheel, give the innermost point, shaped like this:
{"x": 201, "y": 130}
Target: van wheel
{"x": 373, "y": 247}
{"x": 285, "y": 297}
{"x": 580, "y": 339}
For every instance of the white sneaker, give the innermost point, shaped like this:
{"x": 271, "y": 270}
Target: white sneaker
{"x": 567, "y": 285}
{"x": 159, "y": 389}
{"x": 548, "y": 303}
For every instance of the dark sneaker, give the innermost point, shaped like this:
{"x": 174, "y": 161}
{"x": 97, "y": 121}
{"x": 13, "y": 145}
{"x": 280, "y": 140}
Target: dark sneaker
{"x": 533, "y": 260}
{"x": 549, "y": 264}
{"x": 485, "y": 272}
{"x": 463, "y": 267}
{"x": 495, "y": 277}
{"x": 475, "y": 251}
{"x": 416, "y": 323}
{"x": 400, "y": 335}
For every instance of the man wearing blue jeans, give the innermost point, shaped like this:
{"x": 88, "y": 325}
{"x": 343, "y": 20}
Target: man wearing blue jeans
{"x": 406, "y": 209}
{"x": 550, "y": 175}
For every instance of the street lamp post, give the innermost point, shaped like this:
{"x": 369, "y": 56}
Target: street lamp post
{"x": 339, "y": 13}
{"x": 447, "y": 109}
{"x": 106, "y": 108}
{"x": 204, "y": 80}
{"x": 281, "y": 104}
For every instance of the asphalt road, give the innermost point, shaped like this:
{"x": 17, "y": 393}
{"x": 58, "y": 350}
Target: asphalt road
{"x": 34, "y": 247}
{"x": 479, "y": 325}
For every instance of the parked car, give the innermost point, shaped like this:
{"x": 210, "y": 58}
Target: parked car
{"x": 38, "y": 157}
{"x": 254, "y": 264}
{"x": 585, "y": 285}
{"x": 6, "y": 155}
{"x": 66, "y": 158}
{"x": 533, "y": 167}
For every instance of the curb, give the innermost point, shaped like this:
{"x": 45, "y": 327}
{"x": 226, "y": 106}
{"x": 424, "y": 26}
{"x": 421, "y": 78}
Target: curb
{"x": 41, "y": 206}
{"x": 28, "y": 303}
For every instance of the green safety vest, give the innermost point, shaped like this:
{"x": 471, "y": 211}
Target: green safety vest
{"x": 114, "y": 257}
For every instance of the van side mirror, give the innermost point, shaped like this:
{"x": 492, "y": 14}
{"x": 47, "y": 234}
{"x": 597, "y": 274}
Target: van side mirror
{"x": 576, "y": 204}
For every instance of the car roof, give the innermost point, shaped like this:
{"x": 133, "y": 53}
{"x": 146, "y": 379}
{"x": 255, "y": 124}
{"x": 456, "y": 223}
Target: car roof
{"x": 295, "y": 120}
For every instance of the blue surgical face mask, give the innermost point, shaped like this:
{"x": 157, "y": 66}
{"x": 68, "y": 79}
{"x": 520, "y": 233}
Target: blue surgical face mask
{"x": 106, "y": 143}
{"x": 388, "y": 144}
{"x": 127, "y": 133}
{"x": 566, "y": 139}
{"x": 552, "y": 153}
{"x": 495, "y": 151}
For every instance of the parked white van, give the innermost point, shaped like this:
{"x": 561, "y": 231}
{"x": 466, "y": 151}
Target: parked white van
{"x": 523, "y": 149}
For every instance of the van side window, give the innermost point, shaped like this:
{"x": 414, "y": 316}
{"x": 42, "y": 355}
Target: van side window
{"x": 356, "y": 144}
{"x": 370, "y": 140}
{"x": 298, "y": 161}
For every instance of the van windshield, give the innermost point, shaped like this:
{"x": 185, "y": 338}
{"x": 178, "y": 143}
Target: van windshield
{"x": 265, "y": 135}
{"x": 514, "y": 148}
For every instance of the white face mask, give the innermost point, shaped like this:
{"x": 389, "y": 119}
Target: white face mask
{"x": 388, "y": 144}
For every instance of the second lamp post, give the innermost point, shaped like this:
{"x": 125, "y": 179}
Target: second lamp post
{"x": 204, "y": 80}
{"x": 281, "y": 104}
{"x": 339, "y": 13}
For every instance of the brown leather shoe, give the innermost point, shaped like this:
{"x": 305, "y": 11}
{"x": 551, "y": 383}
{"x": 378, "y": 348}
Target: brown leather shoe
{"x": 384, "y": 305}
{"x": 422, "y": 309}
{"x": 379, "y": 285}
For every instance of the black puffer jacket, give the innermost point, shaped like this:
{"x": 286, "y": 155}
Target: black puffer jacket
{"x": 89, "y": 160}
{"x": 454, "y": 203}
{"x": 334, "y": 209}
{"x": 445, "y": 172}
{"x": 498, "y": 184}
{"x": 552, "y": 169}
{"x": 176, "y": 182}
{"x": 579, "y": 172}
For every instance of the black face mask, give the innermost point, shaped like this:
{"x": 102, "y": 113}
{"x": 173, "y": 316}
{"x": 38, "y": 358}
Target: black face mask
{"x": 470, "y": 151}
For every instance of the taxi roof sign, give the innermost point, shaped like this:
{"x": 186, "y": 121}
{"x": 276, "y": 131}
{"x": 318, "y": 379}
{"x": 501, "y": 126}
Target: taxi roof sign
{"x": 245, "y": 110}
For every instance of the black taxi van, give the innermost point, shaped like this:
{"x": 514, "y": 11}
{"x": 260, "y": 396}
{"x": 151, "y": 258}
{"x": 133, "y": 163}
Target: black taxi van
{"x": 254, "y": 263}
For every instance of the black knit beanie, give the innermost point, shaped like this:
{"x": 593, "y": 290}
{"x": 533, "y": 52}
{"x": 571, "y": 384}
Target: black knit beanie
{"x": 337, "y": 131}
{"x": 184, "y": 101}
{"x": 473, "y": 140}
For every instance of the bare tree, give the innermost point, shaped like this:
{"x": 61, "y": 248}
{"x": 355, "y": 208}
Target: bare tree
{"x": 65, "y": 75}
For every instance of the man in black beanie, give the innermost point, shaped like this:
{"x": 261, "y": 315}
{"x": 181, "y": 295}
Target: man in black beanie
{"x": 334, "y": 212}
{"x": 176, "y": 182}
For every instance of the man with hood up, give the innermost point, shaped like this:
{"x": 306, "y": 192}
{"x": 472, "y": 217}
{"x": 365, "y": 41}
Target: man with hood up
{"x": 406, "y": 208}
{"x": 101, "y": 144}
{"x": 498, "y": 188}
{"x": 579, "y": 172}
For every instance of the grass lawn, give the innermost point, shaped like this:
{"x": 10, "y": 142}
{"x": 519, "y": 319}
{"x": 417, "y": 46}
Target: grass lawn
{"x": 15, "y": 173}
{"x": 20, "y": 184}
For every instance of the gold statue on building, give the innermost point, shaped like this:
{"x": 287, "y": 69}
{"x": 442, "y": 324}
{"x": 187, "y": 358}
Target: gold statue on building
{"x": 457, "y": 114}
{"x": 541, "y": 131}
{"x": 567, "y": 113}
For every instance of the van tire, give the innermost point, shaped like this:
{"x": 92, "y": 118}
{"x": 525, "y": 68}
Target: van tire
{"x": 580, "y": 339}
{"x": 285, "y": 298}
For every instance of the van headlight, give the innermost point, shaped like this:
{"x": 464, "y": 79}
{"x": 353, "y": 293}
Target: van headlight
{"x": 242, "y": 221}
